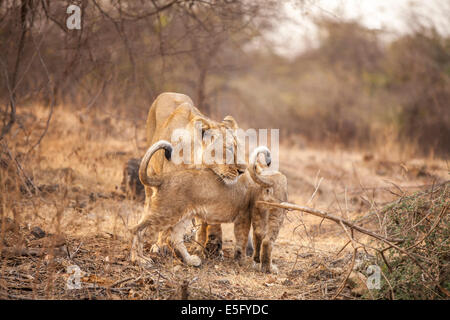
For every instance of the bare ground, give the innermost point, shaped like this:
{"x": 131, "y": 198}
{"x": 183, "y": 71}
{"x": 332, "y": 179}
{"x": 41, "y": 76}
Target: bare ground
{"x": 80, "y": 208}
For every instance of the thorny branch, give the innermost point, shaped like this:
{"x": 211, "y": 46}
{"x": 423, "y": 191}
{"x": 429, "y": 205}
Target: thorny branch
{"x": 329, "y": 216}
{"x": 342, "y": 222}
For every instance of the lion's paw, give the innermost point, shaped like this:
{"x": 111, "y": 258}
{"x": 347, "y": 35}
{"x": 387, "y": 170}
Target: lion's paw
{"x": 194, "y": 261}
{"x": 272, "y": 268}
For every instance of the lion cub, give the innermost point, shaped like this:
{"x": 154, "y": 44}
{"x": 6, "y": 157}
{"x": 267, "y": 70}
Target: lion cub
{"x": 181, "y": 195}
{"x": 266, "y": 221}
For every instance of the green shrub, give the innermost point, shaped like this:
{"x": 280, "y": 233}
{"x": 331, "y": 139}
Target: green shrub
{"x": 423, "y": 221}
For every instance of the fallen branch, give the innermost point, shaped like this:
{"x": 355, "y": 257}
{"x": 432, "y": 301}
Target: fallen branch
{"x": 325, "y": 215}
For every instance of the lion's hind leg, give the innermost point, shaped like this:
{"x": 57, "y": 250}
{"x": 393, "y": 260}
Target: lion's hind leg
{"x": 137, "y": 250}
{"x": 242, "y": 226}
{"x": 177, "y": 239}
{"x": 153, "y": 223}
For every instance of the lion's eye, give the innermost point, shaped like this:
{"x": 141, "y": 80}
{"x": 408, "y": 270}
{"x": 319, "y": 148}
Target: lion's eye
{"x": 230, "y": 154}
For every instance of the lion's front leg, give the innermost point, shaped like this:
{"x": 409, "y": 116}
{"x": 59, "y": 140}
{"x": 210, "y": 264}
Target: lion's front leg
{"x": 258, "y": 224}
{"x": 266, "y": 257}
{"x": 153, "y": 223}
{"x": 274, "y": 221}
{"x": 242, "y": 227}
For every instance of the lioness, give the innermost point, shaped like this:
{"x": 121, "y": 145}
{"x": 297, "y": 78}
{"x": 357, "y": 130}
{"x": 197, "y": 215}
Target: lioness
{"x": 181, "y": 195}
{"x": 172, "y": 111}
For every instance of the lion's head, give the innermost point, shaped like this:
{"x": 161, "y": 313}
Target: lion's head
{"x": 197, "y": 140}
{"x": 216, "y": 146}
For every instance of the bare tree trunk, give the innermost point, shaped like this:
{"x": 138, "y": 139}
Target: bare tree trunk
{"x": 201, "y": 94}
{"x": 12, "y": 86}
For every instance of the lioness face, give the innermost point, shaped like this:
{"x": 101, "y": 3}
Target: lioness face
{"x": 220, "y": 150}
{"x": 228, "y": 168}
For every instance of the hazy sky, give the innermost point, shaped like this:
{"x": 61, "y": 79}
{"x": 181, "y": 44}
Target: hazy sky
{"x": 297, "y": 31}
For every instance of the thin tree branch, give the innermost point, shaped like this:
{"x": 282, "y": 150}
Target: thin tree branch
{"x": 329, "y": 216}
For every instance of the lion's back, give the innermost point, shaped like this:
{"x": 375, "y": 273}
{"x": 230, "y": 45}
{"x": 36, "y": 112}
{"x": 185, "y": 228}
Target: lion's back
{"x": 160, "y": 111}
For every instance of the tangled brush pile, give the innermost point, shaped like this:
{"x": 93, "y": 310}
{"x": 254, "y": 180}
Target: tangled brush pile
{"x": 422, "y": 220}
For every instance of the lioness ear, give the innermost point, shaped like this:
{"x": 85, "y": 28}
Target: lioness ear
{"x": 204, "y": 124}
{"x": 230, "y": 122}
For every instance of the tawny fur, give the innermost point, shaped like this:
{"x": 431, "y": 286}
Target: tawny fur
{"x": 179, "y": 196}
{"x": 171, "y": 111}
{"x": 267, "y": 221}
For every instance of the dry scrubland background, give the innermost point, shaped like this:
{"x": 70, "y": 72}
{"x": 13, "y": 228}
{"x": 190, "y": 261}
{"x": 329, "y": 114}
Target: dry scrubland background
{"x": 364, "y": 134}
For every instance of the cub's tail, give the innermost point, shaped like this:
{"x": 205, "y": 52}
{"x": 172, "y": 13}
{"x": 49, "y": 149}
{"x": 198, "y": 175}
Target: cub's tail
{"x": 153, "y": 181}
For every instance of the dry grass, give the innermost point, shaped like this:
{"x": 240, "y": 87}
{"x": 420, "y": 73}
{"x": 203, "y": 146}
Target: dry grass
{"x": 78, "y": 168}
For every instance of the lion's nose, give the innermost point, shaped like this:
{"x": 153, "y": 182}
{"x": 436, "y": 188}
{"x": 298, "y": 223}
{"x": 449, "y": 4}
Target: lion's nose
{"x": 240, "y": 171}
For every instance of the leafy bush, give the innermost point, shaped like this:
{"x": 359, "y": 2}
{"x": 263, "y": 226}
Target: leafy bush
{"x": 423, "y": 221}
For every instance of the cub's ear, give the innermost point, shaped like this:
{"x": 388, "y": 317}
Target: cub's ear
{"x": 230, "y": 122}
